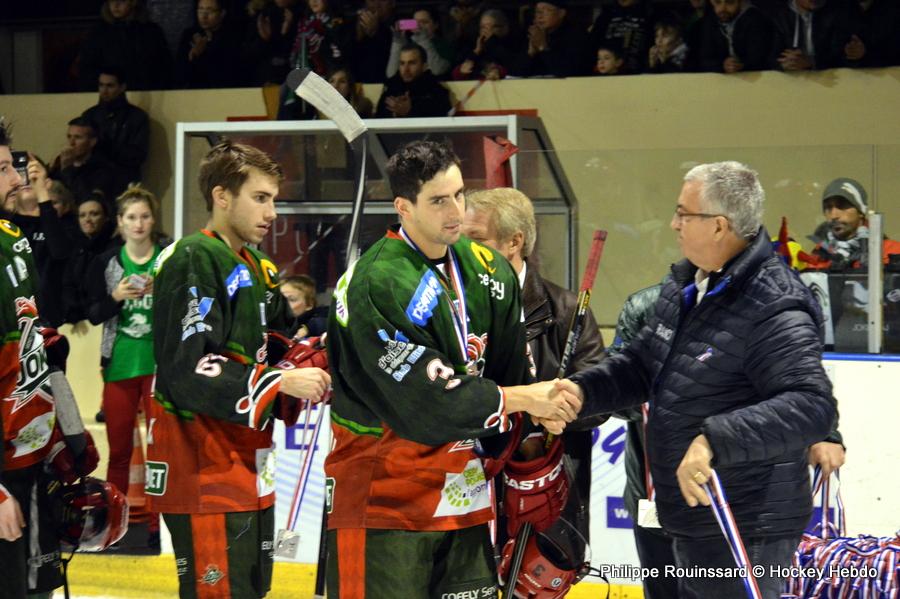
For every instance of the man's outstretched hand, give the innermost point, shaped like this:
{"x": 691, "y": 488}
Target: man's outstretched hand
{"x": 550, "y": 403}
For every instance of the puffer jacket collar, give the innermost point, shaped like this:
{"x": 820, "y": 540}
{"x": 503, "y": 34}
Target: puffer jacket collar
{"x": 735, "y": 272}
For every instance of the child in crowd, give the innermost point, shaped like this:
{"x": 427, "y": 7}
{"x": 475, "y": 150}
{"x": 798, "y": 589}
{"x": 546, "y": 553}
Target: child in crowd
{"x": 300, "y": 293}
{"x": 609, "y": 60}
{"x": 669, "y": 52}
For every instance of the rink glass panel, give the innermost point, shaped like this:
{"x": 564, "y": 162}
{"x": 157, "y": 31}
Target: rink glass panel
{"x": 630, "y": 193}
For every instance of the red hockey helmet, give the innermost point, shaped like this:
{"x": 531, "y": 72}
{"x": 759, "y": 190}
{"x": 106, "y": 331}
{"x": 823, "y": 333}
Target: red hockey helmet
{"x": 94, "y": 514}
{"x": 539, "y": 576}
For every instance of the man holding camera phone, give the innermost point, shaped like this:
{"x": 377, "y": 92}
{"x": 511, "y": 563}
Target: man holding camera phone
{"x": 49, "y": 235}
{"x": 422, "y": 29}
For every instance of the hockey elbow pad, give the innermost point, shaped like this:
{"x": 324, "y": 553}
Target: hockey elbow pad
{"x": 536, "y": 490}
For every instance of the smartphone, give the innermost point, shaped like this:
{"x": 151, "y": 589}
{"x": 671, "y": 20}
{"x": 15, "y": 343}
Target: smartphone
{"x": 137, "y": 281}
{"x": 20, "y": 163}
{"x": 407, "y": 25}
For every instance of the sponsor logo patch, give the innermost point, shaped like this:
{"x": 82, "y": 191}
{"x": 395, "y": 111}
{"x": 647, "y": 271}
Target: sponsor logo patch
{"x": 239, "y": 277}
{"x": 197, "y": 310}
{"x": 329, "y": 494}
{"x": 464, "y": 492}
{"x": 156, "y": 478}
{"x": 399, "y": 355}
{"x": 425, "y": 299}
{"x": 22, "y": 246}
{"x": 497, "y": 288}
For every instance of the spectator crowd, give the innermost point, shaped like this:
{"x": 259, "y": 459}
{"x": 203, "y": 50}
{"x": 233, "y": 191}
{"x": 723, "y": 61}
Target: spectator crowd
{"x": 68, "y": 210}
{"x": 235, "y": 43}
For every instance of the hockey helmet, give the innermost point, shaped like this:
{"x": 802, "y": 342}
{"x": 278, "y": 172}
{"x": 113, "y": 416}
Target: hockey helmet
{"x": 548, "y": 569}
{"x": 94, "y": 514}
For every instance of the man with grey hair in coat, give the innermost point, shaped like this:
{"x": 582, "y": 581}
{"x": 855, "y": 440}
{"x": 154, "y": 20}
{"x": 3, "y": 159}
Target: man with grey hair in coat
{"x": 731, "y": 360}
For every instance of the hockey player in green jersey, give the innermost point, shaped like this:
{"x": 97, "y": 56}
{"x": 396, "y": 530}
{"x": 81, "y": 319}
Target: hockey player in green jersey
{"x": 209, "y": 460}
{"x": 427, "y": 347}
{"x": 33, "y": 416}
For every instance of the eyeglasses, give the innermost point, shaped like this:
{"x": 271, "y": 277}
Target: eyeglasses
{"x": 680, "y": 216}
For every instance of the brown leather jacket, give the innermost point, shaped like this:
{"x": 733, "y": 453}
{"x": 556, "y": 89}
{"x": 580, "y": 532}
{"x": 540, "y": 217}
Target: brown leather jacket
{"x": 548, "y": 312}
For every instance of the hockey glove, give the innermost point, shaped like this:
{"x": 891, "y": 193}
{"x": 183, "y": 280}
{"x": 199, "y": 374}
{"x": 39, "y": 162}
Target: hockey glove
{"x": 70, "y": 463}
{"x": 56, "y": 347}
{"x": 496, "y": 450}
{"x": 309, "y": 353}
{"x": 536, "y": 490}
{"x": 287, "y": 353}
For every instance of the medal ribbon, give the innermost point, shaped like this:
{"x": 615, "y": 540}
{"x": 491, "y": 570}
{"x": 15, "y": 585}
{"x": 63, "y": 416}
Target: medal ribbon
{"x": 458, "y": 308}
{"x": 722, "y": 511}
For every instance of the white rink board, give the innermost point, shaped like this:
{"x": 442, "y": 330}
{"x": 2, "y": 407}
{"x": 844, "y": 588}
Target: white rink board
{"x": 868, "y": 394}
{"x": 869, "y": 403}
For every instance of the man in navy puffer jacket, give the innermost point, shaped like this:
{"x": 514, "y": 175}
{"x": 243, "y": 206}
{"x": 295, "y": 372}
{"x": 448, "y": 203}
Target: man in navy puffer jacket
{"x": 732, "y": 362}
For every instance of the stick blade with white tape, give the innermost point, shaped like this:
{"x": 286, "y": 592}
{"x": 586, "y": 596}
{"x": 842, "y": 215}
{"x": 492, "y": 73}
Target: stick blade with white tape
{"x": 328, "y": 101}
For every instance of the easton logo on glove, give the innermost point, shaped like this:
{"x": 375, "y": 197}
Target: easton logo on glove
{"x": 536, "y": 490}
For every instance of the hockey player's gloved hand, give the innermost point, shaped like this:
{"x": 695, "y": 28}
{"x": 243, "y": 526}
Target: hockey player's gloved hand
{"x": 536, "y": 490}
{"x": 309, "y": 353}
{"x": 69, "y": 461}
{"x": 287, "y": 353}
{"x": 496, "y": 450}
{"x": 56, "y": 347}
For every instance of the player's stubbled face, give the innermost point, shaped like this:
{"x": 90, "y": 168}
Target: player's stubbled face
{"x": 435, "y": 219}
{"x": 252, "y": 210}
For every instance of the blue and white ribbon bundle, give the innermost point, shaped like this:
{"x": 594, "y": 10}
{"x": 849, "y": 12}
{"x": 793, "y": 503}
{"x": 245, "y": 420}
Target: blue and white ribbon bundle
{"x": 832, "y": 566}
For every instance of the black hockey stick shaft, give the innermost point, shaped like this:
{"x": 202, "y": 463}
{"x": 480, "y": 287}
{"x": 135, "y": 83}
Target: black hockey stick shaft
{"x": 576, "y": 328}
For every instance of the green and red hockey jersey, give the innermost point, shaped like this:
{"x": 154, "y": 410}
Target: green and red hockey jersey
{"x": 26, "y": 401}
{"x": 209, "y": 447}
{"x": 409, "y": 397}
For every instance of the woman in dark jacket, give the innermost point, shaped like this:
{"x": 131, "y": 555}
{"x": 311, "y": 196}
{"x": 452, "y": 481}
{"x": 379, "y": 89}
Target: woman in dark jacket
{"x": 94, "y": 237}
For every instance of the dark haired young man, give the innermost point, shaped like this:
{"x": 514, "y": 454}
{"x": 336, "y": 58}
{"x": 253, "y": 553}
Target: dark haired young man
{"x": 426, "y": 340}
{"x": 123, "y": 129}
{"x": 414, "y": 91}
{"x": 82, "y": 169}
{"x": 209, "y": 460}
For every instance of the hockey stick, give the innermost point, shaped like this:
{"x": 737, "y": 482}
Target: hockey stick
{"x": 327, "y": 100}
{"x": 576, "y": 328}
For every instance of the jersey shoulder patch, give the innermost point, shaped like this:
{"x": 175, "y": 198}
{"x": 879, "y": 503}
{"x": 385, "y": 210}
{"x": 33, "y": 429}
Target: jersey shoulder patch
{"x": 9, "y": 228}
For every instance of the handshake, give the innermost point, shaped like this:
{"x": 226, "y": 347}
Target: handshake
{"x": 551, "y": 404}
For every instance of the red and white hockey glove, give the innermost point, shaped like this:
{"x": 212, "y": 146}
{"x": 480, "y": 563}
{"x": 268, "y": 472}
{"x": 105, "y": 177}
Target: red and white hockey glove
{"x": 309, "y": 353}
{"x": 536, "y": 490}
{"x": 68, "y": 465}
{"x": 496, "y": 450}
